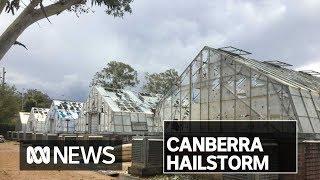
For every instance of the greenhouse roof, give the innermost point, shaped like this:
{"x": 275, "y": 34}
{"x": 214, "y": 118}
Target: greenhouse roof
{"x": 126, "y": 101}
{"x": 150, "y": 99}
{"x": 278, "y": 71}
{"x": 39, "y": 113}
{"x": 67, "y": 109}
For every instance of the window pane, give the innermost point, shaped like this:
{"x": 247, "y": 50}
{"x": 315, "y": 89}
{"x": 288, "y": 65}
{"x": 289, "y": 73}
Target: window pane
{"x": 118, "y": 129}
{"x": 126, "y": 120}
{"x": 299, "y": 106}
{"x": 134, "y": 117}
{"x": 139, "y": 126}
{"x": 117, "y": 120}
{"x": 142, "y": 118}
{"x": 127, "y": 128}
{"x": 310, "y": 107}
{"x": 112, "y": 128}
{"x": 149, "y": 122}
{"x": 316, "y": 124}
{"x": 306, "y": 126}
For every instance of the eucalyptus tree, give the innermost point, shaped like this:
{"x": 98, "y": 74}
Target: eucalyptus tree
{"x": 116, "y": 75}
{"x": 160, "y": 83}
{"x": 35, "y": 10}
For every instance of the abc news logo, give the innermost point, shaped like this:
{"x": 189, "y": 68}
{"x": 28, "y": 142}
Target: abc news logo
{"x": 69, "y": 155}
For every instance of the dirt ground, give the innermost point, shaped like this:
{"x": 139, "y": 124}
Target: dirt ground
{"x": 9, "y": 168}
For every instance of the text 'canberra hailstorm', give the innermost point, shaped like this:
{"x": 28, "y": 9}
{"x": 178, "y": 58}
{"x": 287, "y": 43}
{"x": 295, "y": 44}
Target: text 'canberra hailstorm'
{"x": 187, "y": 154}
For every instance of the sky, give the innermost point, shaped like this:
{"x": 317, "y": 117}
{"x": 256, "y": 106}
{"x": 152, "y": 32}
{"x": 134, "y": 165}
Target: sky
{"x": 158, "y": 35}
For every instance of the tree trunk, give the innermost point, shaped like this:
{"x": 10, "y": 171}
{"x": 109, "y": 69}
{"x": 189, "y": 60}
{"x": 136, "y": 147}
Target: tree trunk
{"x": 28, "y": 16}
{"x": 11, "y": 34}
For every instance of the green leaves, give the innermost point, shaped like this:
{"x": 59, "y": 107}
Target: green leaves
{"x": 12, "y": 6}
{"x": 35, "y": 98}
{"x": 160, "y": 83}
{"x": 116, "y": 75}
{"x": 116, "y": 8}
{"x": 9, "y": 103}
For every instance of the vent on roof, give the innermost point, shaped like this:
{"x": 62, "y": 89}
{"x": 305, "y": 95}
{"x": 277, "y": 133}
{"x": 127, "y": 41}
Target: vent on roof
{"x": 145, "y": 94}
{"x": 234, "y": 50}
{"x": 311, "y": 72}
{"x": 278, "y": 63}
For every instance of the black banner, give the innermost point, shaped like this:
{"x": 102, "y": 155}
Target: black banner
{"x": 71, "y": 155}
{"x": 230, "y": 146}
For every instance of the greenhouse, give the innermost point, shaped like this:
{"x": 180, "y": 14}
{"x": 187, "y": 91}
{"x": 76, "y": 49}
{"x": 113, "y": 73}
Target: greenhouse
{"x": 117, "y": 111}
{"x": 225, "y": 84}
{"x": 36, "y": 120}
{"x": 22, "y": 123}
{"x": 63, "y": 116}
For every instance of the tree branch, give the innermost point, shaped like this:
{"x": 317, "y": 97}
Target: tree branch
{"x": 20, "y": 44}
{"x": 11, "y": 34}
{"x": 55, "y": 8}
{"x": 34, "y": 3}
{"x": 44, "y": 12}
{"x": 28, "y": 16}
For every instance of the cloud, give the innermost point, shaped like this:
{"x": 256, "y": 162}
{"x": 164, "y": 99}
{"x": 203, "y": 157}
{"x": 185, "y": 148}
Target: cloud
{"x": 315, "y": 66}
{"x": 158, "y": 35}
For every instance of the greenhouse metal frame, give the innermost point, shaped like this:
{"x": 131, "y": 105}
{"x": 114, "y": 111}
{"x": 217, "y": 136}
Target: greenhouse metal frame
{"x": 224, "y": 84}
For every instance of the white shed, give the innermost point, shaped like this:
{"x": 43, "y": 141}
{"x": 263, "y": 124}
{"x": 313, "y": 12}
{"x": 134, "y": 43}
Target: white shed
{"x": 24, "y": 116}
{"x": 36, "y": 120}
{"x": 63, "y": 116}
{"x": 117, "y": 111}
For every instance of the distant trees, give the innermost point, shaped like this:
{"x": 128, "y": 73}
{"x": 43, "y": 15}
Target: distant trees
{"x": 35, "y": 98}
{"x": 9, "y": 103}
{"x": 116, "y": 75}
{"x": 160, "y": 83}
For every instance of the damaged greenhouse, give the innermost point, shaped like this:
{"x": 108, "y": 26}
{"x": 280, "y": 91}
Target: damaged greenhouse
{"x": 36, "y": 120}
{"x": 117, "y": 111}
{"x": 23, "y": 120}
{"x": 224, "y": 84}
{"x": 63, "y": 116}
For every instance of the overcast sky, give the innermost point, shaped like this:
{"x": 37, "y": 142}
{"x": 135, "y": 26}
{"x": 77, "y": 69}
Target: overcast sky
{"x": 158, "y": 35}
